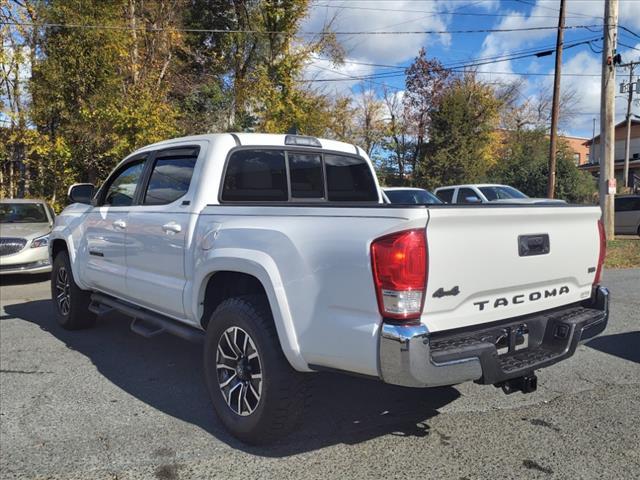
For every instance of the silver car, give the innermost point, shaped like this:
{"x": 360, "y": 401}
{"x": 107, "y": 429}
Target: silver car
{"x": 25, "y": 226}
{"x": 487, "y": 193}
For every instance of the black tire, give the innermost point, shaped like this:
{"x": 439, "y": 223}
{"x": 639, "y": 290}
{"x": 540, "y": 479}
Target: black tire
{"x": 283, "y": 393}
{"x": 71, "y": 303}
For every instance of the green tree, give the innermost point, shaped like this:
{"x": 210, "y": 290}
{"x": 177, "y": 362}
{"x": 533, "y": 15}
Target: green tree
{"x": 103, "y": 91}
{"x": 462, "y": 135}
{"x": 523, "y": 164}
{"x": 252, "y": 62}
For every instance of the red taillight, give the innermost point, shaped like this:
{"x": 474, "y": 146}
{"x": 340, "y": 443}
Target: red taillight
{"x": 400, "y": 273}
{"x": 603, "y": 252}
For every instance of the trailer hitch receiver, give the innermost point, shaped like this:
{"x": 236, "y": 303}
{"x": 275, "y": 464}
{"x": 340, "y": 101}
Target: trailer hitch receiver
{"x": 525, "y": 384}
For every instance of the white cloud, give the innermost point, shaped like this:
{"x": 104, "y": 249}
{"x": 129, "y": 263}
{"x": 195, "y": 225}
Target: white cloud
{"x": 588, "y": 89}
{"x": 579, "y": 12}
{"x": 372, "y": 15}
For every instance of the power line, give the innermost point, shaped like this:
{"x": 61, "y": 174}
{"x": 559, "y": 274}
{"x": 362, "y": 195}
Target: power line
{"x": 506, "y": 57}
{"x": 349, "y": 77}
{"x": 275, "y": 32}
{"x": 628, "y": 46}
{"x": 629, "y": 30}
{"x": 550, "y": 8}
{"x": 457, "y": 70}
{"x": 470, "y": 63}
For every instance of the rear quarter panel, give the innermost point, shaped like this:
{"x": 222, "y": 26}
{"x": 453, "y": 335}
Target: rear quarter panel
{"x": 317, "y": 267}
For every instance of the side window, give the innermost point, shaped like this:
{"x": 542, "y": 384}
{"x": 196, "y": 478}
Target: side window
{"x": 445, "y": 195}
{"x": 349, "y": 179}
{"x": 466, "y": 195}
{"x": 254, "y": 176}
{"x": 121, "y": 190}
{"x": 305, "y": 171}
{"x": 627, "y": 204}
{"x": 171, "y": 176}
{"x": 621, "y": 204}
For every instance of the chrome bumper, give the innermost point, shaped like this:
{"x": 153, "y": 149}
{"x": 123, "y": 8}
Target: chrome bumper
{"x": 406, "y": 351}
{"x": 405, "y": 359}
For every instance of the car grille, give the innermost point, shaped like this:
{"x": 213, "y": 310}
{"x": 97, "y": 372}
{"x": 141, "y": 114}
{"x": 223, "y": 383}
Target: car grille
{"x": 9, "y": 246}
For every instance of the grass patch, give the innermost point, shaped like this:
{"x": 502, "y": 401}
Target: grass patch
{"x": 623, "y": 253}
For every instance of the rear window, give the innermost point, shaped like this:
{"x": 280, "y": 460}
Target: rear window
{"x": 445, "y": 195}
{"x": 349, "y": 179}
{"x": 305, "y": 170}
{"x": 409, "y": 197}
{"x": 256, "y": 176}
{"x": 276, "y": 175}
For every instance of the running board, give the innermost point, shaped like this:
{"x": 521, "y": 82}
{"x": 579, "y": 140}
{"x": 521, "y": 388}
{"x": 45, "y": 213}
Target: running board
{"x": 145, "y": 322}
{"x": 99, "y": 309}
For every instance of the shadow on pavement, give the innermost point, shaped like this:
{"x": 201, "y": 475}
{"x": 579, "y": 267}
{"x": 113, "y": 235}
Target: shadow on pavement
{"x": 624, "y": 345}
{"x": 23, "y": 279}
{"x": 166, "y": 373}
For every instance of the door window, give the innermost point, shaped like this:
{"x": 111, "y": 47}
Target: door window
{"x": 445, "y": 195}
{"x": 122, "y": 188}
{"x": 466, "y": 195}
{"x": 171, "y": 176}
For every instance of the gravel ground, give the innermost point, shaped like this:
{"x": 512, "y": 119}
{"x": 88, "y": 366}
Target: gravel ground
{"x": 106, "y": 403}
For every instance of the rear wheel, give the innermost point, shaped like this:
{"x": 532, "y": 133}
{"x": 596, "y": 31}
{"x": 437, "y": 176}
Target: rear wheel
{"x": 257, "y": 395}
{"x": 70, "y": 302}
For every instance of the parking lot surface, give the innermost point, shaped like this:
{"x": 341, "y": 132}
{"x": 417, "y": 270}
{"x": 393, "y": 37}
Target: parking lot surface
{"x": 106, "y": 403}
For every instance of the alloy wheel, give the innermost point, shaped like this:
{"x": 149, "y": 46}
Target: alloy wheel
{"x": 63, "y": 291}
{"x": 239, "y": 371}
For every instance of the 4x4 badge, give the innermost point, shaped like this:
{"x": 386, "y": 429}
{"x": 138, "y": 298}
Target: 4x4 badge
{"x": 441, "y": 292}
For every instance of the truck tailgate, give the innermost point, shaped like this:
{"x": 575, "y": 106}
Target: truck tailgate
{"x": 489, "y": 264}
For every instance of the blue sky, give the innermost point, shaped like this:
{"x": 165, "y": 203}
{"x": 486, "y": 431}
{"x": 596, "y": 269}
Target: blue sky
{"x": 377, "y": 54}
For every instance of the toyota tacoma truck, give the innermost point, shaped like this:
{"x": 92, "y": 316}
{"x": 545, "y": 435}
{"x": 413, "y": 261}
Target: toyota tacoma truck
{"x": 278, "y": 253}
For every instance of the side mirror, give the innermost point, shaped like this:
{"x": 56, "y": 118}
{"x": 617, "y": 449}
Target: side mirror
{"x": 81, "y": 193}
{"x": 472, "y": 200}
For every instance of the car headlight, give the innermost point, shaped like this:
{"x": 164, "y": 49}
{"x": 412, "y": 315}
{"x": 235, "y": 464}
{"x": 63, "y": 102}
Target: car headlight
{"x": 40, "y": 241}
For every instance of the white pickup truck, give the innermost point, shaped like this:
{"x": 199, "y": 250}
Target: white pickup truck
{"x": 278, "y": 253}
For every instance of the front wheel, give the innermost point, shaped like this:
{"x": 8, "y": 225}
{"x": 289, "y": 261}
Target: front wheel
{"x": 257, "y": 395}
{"x": 71, "y": 303}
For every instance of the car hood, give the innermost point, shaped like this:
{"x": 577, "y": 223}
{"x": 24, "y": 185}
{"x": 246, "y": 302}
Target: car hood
{"x": 528, "y": 200}
{"x": 24, "y": 230}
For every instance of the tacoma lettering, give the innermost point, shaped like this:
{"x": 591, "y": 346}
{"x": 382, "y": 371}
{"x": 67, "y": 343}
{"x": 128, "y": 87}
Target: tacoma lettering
{"x": 521, "y": 298}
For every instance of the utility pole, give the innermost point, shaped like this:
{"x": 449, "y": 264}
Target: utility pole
{"x": 555, "y": 109}
{"x": 607, "y": 115}
{"x": 627, "y": 146}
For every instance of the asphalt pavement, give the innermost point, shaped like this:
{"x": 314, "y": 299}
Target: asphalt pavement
{"x": 108, "y": 404}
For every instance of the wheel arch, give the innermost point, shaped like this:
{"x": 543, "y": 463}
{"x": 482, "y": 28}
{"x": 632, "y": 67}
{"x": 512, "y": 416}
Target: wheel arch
{"x": 241, "y": 274}
{"x": 58, "y": 245}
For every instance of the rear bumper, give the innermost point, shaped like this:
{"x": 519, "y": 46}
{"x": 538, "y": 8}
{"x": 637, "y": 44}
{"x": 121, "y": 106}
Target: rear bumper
{"x": 410, "y": 356}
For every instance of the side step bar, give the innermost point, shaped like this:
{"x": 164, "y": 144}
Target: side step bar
{"x": 145, "y": 322}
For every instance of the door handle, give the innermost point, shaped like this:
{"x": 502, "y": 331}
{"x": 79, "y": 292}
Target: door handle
{"x": 172, "y": 227}
{"x": 119, "y": 224}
